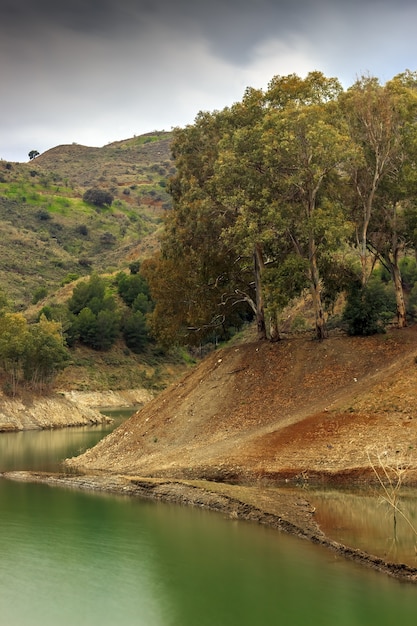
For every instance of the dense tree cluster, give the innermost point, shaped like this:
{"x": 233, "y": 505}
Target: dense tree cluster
{"x": 97, "y": 317}
{"x": 99, "y": 312}
{"x": 30, "y": 354}
{"x": 304, "y": 185}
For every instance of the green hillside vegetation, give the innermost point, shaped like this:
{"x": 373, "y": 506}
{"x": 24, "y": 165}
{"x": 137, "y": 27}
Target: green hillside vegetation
{"x": 56, "y": 245}
{"x": 48, "y": 233}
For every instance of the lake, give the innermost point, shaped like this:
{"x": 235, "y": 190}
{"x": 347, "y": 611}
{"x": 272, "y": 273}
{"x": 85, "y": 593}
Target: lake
{"x": 75, "y": 558}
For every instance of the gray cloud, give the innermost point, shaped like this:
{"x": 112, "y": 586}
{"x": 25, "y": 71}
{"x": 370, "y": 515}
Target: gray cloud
{"x": 93, "y": 71}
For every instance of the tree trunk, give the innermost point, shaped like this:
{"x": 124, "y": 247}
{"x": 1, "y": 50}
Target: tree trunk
{"x": 273, "y": 327}
{"x": 316, "y": 292}
{"x": 399, "y": 296}
{"x": 258, "y": 263}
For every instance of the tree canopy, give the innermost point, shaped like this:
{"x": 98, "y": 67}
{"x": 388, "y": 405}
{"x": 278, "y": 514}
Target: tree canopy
{"x": 303, "y": 185}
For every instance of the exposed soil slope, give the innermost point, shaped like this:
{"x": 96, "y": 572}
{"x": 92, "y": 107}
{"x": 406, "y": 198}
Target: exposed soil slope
{"x": 297, "y": 409}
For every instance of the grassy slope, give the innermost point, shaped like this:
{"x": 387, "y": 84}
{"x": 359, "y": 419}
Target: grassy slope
{"x": 41, "y": 212}
{"x": 41, "y": 242}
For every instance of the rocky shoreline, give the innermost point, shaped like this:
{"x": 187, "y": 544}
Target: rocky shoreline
{"x": 279, "y": 508}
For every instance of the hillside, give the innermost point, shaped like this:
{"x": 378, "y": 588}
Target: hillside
{"x": 297, "y": 410}
{"x": 48, "y": 233}
{"x": 50, "y": 237}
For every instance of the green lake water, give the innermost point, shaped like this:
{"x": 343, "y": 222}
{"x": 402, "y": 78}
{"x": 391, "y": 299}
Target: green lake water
{"x": 81, "y": 559}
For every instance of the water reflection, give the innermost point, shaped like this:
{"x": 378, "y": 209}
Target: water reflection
{"x": 364, "y": 520}
{"x": 99, "y": 560}
{"x": 44, "y": 450}
{"x": 69, "y": 557}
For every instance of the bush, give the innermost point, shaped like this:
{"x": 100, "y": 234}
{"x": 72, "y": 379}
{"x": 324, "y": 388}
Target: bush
{"x": 43, "y": 215}
{"x": 135, "y": 332}
{"x": 130, "y": 287}
{"x": 98, "y": 331}
{"x": 108, "y": 239}
{"x": 408, "y": 268}
{"x": 98, "y": 197}
{"x": 86, "y": 292}
{"x": 134, "y": 267}
{"x": 369, "y": 308}
{"x": 69, "y": 278}
{"x": 39, "y": 294}
{"x": 82, "y": 229}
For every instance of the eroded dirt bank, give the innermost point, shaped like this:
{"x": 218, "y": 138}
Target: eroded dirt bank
{"x": 55, "y": 411}
{"x": 262, "y": 411}
{"x": 282, "y": 509}
{"x": 59, "y": 410}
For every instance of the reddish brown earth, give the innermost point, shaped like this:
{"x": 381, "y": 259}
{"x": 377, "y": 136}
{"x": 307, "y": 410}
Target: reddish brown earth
{"x": 296, "y": 410}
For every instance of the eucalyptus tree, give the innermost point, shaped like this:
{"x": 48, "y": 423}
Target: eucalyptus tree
{"x": 242, "y": 186}
{"x": 382, "y": 123}
{"x": 372, "y": 113}
{"x": 194, "y": 278}
{"x": 247, "y": 186}
{"x": 307, "y": 146}
{"x": 256, "y": 206}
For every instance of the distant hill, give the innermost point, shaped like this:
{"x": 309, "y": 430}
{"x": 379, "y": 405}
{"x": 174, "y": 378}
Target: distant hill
{"x": 48, "y": 233}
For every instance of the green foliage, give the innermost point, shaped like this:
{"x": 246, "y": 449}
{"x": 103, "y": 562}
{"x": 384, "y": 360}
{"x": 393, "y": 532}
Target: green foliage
{"x": 39, "y": 294}
{"x": 408, "y": 268}
{"x": 130, "y": 287}
{"x": 96, "y": 319}
{"x": 13, "y": 340}
{"x": 87, "y": 292}
{"x": 44, "y": 354}
{"x": 66, "y": 320}
{"x": 369, "y": 308}
{"x": 86, "y": 324}
{"x": 98, "y": 330}
{"x": 98, "y": 197}
{"x": 32, "y": 354}
{"x": 134, "y": 267}
{"x": 412, "y": 300}
{"x": 135, "y": 332}
{"x": 69, "y": 278}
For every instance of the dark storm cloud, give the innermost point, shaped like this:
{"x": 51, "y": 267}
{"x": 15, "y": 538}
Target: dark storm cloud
{"x": 93, "y": 71}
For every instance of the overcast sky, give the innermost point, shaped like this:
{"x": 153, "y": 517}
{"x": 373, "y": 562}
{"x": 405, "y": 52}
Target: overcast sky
{"x": 96, "y": 71}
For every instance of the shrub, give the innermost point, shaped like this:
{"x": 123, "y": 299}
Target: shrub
{"x": 135, "y": 332}
{"x": 129, "y": 287}
{"x": 369, "y": 308}
{"x": 108, "y": 239}
{"x": 86, "y": 292}
{"x": 85, "y": 262}
{"x": 69, "y": 278}
{"x": 82, "y": 229}
{"x": 99, "y": 331}
{"x": 43, "y": 215}
{"x": 98, "y": 197}
{"x": 408, "y": 268}
{"x": 39, "y": 294}
{"x": 134, "y": 267}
